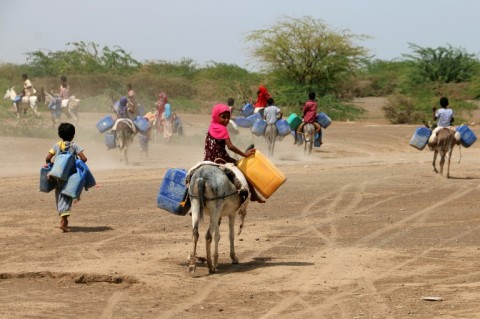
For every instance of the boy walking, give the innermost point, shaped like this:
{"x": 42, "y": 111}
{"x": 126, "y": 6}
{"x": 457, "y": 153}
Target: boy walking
{"x": 66, "y": 132}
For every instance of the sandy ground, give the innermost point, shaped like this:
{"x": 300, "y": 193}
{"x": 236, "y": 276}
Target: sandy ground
{"x": 362, "y": 228}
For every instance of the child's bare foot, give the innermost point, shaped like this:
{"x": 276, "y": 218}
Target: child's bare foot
{"x": 64, "y": 229}
{"x": 257, "y": 199}
{"x": 64, "y": 224}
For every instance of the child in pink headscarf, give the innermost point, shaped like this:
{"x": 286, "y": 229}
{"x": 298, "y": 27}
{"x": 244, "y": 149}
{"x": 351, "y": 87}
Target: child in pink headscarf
{"x": 217, "y": 138}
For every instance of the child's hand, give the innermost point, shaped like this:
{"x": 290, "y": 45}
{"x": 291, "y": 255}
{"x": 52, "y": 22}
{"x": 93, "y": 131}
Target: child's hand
{"x": 250, "y": 152}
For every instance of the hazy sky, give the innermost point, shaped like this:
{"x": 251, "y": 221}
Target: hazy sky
{"x": 214, "y": 30}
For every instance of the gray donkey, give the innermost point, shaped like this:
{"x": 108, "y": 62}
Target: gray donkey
{"x": 213, "y": 190}
{"x": 124, "y": 133}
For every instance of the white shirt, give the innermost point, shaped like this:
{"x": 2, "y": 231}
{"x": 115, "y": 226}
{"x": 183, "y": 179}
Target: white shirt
{"x": 27, "y": 85}
{"x": 270, "y": 113}
{"x": 444, "y": 117}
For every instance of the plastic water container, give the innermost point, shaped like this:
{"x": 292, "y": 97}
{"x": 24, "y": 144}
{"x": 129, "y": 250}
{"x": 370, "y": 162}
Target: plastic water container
{"x": 150, "y": 117}
{"x": 75, "y": 183}
{"x": 89, "y": 179}
{"x": 294, "y": 121}
{"x": 242, "y": 122}
{"x": 63, "y": 166}
{"x": 420, "y": 137}
{"x": 467, "y": 137}
{"x": 105, "y": 123}
{"x": 247, "y": 110}
{"x": 46, "y": 184}
{"x": 173, "y": 192}
{"x": 141, "y": 123}
{"x": 258, "y": 127}
{"x": 323, "y": 120}
{"x": 110, "y": 140}
{"x": 283, "y": 128}
{"x": 254, "y": 117}
{"x": 261, "y": 173}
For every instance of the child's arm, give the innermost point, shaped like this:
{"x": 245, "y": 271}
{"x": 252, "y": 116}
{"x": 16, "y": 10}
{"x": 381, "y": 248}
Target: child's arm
{"x": 234, "y": 149}
{"x": 49, "y": 158}
{"x": 82, "y": 156}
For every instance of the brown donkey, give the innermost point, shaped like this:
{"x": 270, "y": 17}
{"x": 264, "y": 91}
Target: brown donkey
{"x": 445, "y": 142}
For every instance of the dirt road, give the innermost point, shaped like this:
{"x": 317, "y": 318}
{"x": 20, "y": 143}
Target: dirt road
{"x": 362, "y": 228}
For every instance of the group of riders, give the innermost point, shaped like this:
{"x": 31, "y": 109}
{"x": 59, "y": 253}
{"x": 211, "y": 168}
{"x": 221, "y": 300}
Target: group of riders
{"x": 265, "y": 105}
{"x": 29, "y": 95}
{"x": 163, "y": 120}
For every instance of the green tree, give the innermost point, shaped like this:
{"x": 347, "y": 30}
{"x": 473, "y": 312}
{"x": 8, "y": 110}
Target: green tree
{"x": 84, "y": 58}
{"x": 306, "y": 52}
{"x": 443, "y": 64}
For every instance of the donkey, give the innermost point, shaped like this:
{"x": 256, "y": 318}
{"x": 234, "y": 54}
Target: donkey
{"x": 270, "y": 137}
{"x": 125, "y": 131}
{"x": 308, "y": 137}
{"x": 67, "y": 107}
{"x": 212, "y": 192}
{"x": 445, "y": 142}
{"x": 20, "y": 102}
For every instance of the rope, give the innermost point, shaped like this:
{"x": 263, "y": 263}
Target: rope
{"x": 213, "y": 198}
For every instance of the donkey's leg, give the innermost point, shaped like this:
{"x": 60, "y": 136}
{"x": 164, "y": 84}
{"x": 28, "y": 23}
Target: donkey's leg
{"x": 215, "y": 209}
{"x": 74, "y": 115}
{"x": 17, "y": 109}
{"x": 215, "y": 252}
{"x": 231, "y": 237}
{"x": 195, "y": 222}
{"x": 448, "y": 164}
{"x": 208, "y": 244}
{"x": 435, "y": 153}
{"x": 125, "y": 155}
{"x": 442, "y": 160}
{"x": 33, "y": 106}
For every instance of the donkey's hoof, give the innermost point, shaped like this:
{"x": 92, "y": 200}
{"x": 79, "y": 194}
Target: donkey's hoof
{"x": 235, "y": 260}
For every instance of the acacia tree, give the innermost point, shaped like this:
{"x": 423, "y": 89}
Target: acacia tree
{"x": 307, "y": 53}
{"x": 443, "y": 64}
{"x": 84, "y": 58}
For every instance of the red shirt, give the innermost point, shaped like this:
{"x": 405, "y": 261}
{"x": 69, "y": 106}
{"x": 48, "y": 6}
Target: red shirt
{"x": 310, "y": 111}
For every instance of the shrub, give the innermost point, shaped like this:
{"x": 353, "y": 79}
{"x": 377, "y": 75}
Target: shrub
{"x": 400, "y": 109}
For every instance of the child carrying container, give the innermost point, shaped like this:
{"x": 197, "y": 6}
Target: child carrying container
{"x": 217, "y": 138}
{"x": 66, "y": 132}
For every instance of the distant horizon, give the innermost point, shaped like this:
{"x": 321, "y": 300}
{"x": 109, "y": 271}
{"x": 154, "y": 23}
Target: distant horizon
{"x": 210, "y": 31}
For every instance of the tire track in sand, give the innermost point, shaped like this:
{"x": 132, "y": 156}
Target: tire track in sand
{"x": 109, "y": 309}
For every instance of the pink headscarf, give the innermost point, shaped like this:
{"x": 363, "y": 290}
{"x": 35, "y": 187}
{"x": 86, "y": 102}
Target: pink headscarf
{"x": 217, "y": 130}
